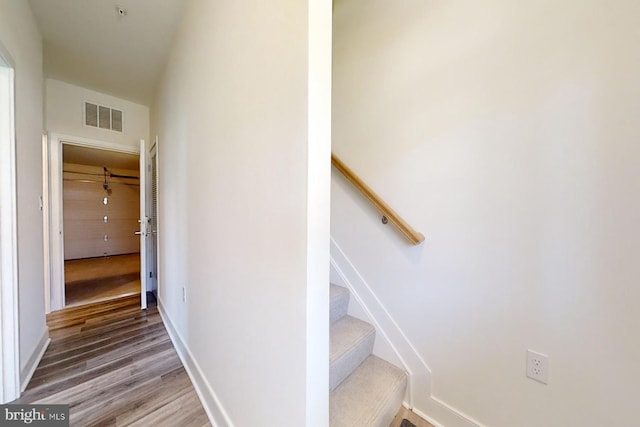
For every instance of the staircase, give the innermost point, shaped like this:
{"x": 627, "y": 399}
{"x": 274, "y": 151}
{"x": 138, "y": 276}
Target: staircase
{"x": 365, "y": 391}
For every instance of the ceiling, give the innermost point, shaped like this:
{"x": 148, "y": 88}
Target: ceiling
{"x": 89, "y": 44}
{"x": 95, "y": 157}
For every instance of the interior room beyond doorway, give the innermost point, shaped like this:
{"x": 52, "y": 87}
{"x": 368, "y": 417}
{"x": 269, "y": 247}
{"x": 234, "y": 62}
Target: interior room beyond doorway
{"x": 101, "y": 207}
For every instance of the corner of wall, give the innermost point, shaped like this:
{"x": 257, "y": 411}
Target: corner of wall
{"x": 26, "y": 373}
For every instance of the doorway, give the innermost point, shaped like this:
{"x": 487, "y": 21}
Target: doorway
{"x": 101, "y": 193}
{"x": 96, "y": 193}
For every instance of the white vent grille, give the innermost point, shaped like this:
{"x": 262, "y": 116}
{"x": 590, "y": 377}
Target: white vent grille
{"x": 104, "y": 117}
{"x": 99, "y": 116}
{"x": 116, "y": 120}
{"x": 90, "y": 114}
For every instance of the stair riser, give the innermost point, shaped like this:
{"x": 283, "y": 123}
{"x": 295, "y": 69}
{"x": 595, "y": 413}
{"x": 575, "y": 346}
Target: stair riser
{"x": 365, "y": 391}
{"x": 343, "y": 367}
{"x": 369, "y": 397}
{"x": 339, "y": 307}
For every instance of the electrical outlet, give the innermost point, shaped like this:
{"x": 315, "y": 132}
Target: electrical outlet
{"x": 537, "y": 367}
{"x": 184, "y": 294}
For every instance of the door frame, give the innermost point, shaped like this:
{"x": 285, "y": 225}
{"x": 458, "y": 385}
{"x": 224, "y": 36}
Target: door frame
{"x": 55, "y": 209}
{"x": 9, "y": 308}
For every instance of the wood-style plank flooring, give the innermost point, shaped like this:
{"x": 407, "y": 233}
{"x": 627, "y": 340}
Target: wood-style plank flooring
{"x": 115, "y": 365}
{"x": 409, "y": 415}
{"x": 97, "y": 279}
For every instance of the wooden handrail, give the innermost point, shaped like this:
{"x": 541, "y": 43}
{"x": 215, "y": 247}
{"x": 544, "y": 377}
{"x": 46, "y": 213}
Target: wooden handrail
{"x": 412, "y": 235}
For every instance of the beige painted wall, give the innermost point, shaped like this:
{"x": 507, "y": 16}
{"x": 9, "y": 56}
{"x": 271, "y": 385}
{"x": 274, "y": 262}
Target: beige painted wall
{"x": 506, "y": 132}
{"x": 236, "y": 134}
{"x": 20, "y": 36}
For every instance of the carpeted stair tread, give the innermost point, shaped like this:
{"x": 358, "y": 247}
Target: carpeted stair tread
{"x": 369, "y": 397}
{"x": 351, "y": 343}
{"x": 339, "y": 302}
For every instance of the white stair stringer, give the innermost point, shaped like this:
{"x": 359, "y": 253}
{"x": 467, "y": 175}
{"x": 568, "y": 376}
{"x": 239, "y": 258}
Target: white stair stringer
{"x": 366, "y": 391}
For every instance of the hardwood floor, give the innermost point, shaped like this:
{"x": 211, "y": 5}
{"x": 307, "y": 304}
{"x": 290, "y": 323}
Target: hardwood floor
{"x": 115, "y": 365}
{"x": 409, "y": 415}
{"x": 96, "y": 279}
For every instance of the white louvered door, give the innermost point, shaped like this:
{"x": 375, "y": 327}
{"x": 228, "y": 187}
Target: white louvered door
{"x": 152, "y": 248}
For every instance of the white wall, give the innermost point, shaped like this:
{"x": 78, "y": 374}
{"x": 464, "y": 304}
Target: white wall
{"x": 506, "y": 132}
{"x": 65, "y": 107}
{"x": 20, "y": 36}
{"x": 233, "y": 122}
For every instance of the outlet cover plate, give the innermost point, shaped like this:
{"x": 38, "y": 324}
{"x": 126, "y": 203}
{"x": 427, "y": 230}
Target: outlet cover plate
{"x": 538, "y": 366}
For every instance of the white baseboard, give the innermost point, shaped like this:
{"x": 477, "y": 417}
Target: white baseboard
{"x": 34, "y": 360}
{"x": 210, "y": 402}
{"x": 419, "y": 397}
{"x": 440, "y": 414}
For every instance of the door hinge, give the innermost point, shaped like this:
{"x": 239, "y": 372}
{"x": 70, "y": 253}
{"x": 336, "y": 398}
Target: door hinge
{"x": 150, "y": 275}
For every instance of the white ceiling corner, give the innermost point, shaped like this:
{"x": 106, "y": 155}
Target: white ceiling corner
{"x": 88, "y": 44}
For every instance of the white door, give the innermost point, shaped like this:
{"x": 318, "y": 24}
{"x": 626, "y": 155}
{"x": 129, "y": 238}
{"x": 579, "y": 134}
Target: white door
{"x": 144, "y": 225}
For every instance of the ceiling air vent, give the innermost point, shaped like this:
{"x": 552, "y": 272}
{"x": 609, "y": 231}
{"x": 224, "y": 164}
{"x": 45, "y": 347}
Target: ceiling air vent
{"x": 99, "y": 116}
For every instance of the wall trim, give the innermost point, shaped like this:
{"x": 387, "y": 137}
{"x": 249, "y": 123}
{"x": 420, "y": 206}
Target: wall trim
{"x": 34, "y": 360}
{"x": 442, "y": 414}
{"x": 419, "y": 397}
{"x": 46, "y": 240}
{"x": 9, "y": 307}
{"x": 210, "y": 402}
{"x": 95, "y": 143}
